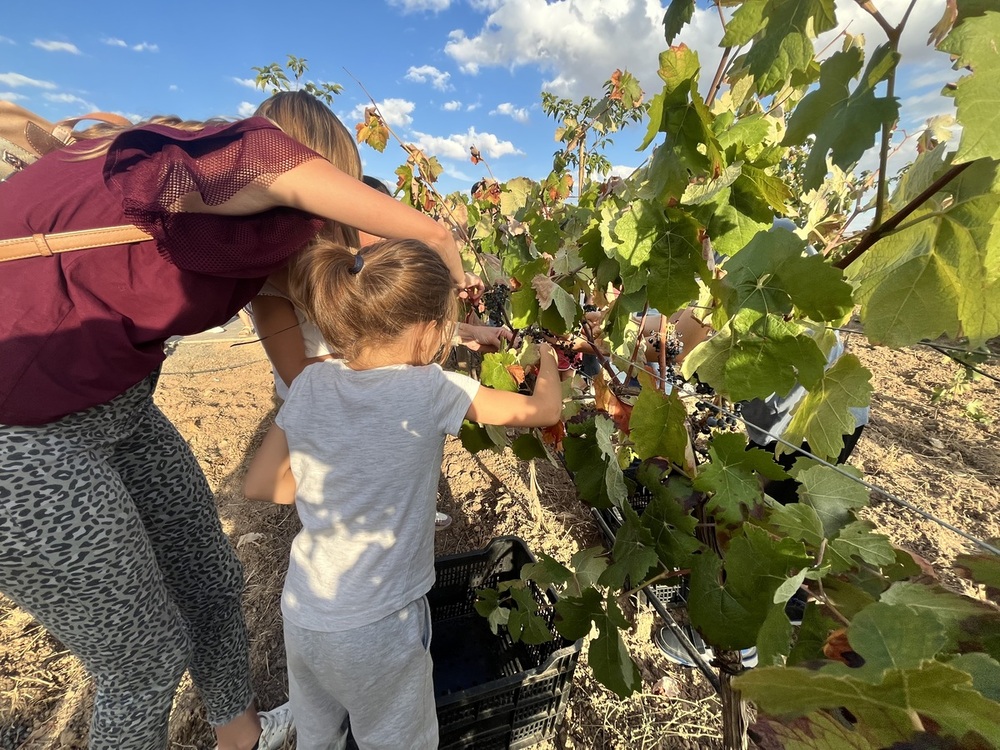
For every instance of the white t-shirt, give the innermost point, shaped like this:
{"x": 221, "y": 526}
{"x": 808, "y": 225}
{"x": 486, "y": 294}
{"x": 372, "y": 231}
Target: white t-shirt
{"x": 366, "y": 449}
{"x": 315, "y": 344}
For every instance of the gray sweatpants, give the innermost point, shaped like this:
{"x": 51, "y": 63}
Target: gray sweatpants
{"x": 379, "y": 674}
{"x": 109, "y": 536}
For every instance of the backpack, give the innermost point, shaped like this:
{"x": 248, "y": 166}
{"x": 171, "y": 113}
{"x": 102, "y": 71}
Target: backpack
{"x": 24, "y": 138}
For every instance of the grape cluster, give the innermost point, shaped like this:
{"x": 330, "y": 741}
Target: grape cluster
{"x": 709, "y": 416}
{"x": 494, "y": 304}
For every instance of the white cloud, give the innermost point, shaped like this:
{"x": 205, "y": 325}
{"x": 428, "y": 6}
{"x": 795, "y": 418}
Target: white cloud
{"x": 456, "y": 173}
{"x": 413, "y": 6}
{"x": 16, "y": 80}
{"x": 11, "y": 96}
{"x": 130, "y": 116}
{"x": 6, "y": 40}
{"x": 250, "y": 83}
{"x": 473, "y": 107}
{"x": 620, "y": 170}
{"x": 452, "y": 106}
{"x": 69, "y": 99}
{"x": 579, "y": 43}
{"x": 429, "y": 74}
{"x": 395, "y": 112}
{"x": 140, "y": 47}
{"x": 173, "y": 87}
{"x": 246, "y": 109}
{"x": 456, "y": 146}
{"x": 50, "y": 46}
{"x": 519, "y": 114}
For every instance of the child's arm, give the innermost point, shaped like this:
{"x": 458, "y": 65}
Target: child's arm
{"x": 269, "y": 476}
{"x": 279, "y": 332}
{"x": 541, "y": 409}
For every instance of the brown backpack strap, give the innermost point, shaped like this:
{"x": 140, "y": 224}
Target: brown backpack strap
{"x": 63, "y": 242}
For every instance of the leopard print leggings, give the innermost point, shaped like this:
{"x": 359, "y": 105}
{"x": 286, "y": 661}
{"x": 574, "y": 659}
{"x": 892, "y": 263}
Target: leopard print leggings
{"x": 109, "y": 537}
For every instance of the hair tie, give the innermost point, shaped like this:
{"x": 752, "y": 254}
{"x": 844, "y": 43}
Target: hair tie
{"x": 359, "y": 263}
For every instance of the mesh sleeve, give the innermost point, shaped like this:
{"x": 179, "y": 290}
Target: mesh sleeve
{"x": 153, "y": 166}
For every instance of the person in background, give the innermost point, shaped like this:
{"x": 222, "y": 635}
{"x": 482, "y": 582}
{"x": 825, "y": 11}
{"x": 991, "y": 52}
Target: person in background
{"x": 356, "y": 618}
{"x": 109, "y": 534}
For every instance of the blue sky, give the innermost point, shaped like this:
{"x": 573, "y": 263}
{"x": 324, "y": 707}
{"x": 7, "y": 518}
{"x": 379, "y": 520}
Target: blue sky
{"x": 448, "y": 73}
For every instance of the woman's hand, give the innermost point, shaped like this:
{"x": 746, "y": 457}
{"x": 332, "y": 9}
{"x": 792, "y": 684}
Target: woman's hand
{"x": 483, "y": 338}
{"x": 473, "y": 287}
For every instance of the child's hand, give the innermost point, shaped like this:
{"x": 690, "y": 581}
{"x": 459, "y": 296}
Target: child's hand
{"x": 545, "y": 351}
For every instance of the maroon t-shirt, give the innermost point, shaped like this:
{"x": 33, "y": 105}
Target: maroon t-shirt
{"x": 82, "y": 327}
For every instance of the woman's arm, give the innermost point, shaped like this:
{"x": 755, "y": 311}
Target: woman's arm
{"x": 541, "y": 409}
{"x": 281, "y": 335}
{"x": 319, "y": 188}
{"x": 269, "y": 475}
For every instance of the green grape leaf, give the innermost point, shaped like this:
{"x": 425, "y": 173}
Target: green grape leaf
{"x": 771, "y": 188}
{"x": 590, "y": 455}
{"x": 636, "y": 230}
{"x": 523, "y": 307}
{"x": 658, "y": 424}
{"x": 950, "y": 609}
{"x": 774, "y": 640}
{"x": 812, "y": 635}
{"x": 678, "y": 15}
{"x": 494, "y": 373}
{"x": 584, "y": 570}
{"x": 608, "y": 655}
{"x": 937, "y": 691}
{"x": 528, "y": 447}
{"x": 766, "y": 355}
{"x": 487, "y": 604}
{"x": 939, "y": 273}
{"x": 856, "y": 540}
{"x": 524, "y": 622}
{"x": 815, "y": 731}
{"x": 680, "y": 112}
{"x": 771, "y": 274}
{"x": 576, "y": 614}
{"x": 976, "y": 44}
{"x": 751, "y": 130}
{"x": 983, "y": 568}
{"x": 730, "y": 615}
{"x": 844, "y": 122}
{"x": 633, "y": 553}
{"x": 671, "y": 527}
{"x": 514, "y": 195}
{"x": 782, "y": 33}
{"x": 733, "y": 476}
{"x": 985, "y": 673}
{"x": 675, "y": 260}
{"x": 551, "y": 294}
{"x": 475, "y": 437}
{"x": 798, "y": 521}
{"x": 730, "y": 229}
{"x": 832, "y": 495}
{"x": 823, "y": 416}
{"x": 890, "y": 637}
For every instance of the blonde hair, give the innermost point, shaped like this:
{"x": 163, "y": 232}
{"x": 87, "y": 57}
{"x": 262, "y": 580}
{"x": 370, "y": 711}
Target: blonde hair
{"x": 400, "y": 283}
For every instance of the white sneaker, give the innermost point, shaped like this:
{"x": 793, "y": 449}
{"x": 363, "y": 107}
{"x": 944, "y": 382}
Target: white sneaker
{"x": 275, "y": 727}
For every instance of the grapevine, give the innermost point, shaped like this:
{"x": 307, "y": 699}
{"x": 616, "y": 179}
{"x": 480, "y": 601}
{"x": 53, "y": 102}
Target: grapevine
{"x": 908, "y": 662}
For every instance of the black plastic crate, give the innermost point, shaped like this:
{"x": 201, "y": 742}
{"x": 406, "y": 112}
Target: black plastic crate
{"x": 610, "y": 520}
{"x": 492, "y": 691}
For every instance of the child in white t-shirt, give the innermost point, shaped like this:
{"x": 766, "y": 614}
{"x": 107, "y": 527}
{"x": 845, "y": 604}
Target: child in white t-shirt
{"x": 358, "y": 447}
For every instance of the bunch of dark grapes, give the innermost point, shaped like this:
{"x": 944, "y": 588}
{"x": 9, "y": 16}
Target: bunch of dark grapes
{"x": 494, "y": 304}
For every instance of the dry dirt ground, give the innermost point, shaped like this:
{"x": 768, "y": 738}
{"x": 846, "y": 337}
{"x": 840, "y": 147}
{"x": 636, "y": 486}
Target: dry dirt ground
{"x": 934, "y": 456}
